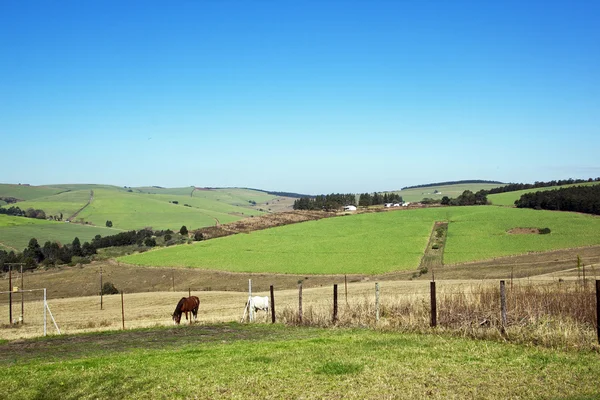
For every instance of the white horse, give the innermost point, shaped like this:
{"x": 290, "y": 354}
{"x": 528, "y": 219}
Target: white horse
{"x": 258, "y": 303}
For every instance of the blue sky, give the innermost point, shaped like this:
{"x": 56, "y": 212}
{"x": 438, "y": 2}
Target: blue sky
{"x": 311, "y": 97}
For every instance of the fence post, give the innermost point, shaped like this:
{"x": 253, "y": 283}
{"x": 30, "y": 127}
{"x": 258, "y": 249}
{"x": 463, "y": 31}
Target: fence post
{"x": 346, "y": 288}
{"x": 503, "y": 305}
{"x": 101, "y": 290}
{"x": 433, "y": 305}
{"x": 10, "y": 319}
{"x": 376, "y": 302}
{"x": 335, "y": 304}
{"x": 122, "y": 310}
{"x": 300, "y": 302}
{"x": 598, "y": 309}
{"x": 272, "y": 305}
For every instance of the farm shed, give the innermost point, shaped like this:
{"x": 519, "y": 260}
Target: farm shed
{"x": 349, "y": 208}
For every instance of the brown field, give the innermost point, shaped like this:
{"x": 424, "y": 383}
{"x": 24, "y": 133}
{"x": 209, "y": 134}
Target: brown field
{"x": 83, "y": 314}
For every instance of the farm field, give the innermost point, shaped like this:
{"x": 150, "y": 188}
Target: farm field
{"x": 135, "y": 211}
{"x": 130, "y": 208}
{"x": 24, "y": 192}
{"x": 15, "y": 232}
{"x": 264, "y": 361}
{"x": 452, "y": 191}
{"x": 509, "y": 198}
{"x": 65, "y": 203}
{"x": 382, "y": 242}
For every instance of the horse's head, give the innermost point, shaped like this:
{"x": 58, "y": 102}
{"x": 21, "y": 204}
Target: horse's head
{"x": 176, "y": 319}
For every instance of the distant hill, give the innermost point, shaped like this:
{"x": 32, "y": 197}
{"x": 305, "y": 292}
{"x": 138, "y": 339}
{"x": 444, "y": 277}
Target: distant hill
{"x": 464, "y": 182}
{"x": 127, "y": 208}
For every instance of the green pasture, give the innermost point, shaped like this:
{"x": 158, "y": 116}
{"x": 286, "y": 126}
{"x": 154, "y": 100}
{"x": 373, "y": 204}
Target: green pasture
{"x": 380, "y": 242}
{"x": 509, "y": 198}
{"x": 24, "y": 192}
{"x": 136, "y": 210}
{"x": 452, "y": 191}
{"x": 66, "y": 203}
{"x": 264, "y": 361}
{"x": 15, "y": 232}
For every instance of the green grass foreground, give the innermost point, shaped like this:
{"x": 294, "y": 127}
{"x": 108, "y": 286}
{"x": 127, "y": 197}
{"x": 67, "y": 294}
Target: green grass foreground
{"x": 380, "y": 242}
{"x": 264, "y": 361}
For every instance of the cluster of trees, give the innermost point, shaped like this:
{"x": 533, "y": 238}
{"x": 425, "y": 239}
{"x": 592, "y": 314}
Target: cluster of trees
{"x": 332, "y": 201}
{"x": 53, "y": 253}
{"x": 366, "y": 199}
{"x": 467, "y": 198}
{"x": 585, "y": 199}
{"x": 336, "y": 201}
{"x": 513, "y": 187}
{"x": 29, "y": 213}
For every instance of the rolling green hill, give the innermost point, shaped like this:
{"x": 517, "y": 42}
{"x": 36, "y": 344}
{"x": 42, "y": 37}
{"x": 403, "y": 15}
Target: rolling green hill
{"x": 380, "y": 242}
{"x": 15, "y": 232}
{"x": 127, "y": 208}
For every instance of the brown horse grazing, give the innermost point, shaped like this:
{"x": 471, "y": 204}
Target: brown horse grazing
{"x": 185, "y": 305}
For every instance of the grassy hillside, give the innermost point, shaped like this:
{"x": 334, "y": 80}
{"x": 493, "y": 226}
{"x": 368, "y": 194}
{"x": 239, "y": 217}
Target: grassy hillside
{"x": 137, "y": 210}
{"x": 509, "y": 198}
{"x": 24, "y": 192}
{"x": 66, "y": 203}
{"x": 15, "y": 232}
{"x": 263, "y": 361}
{"x": 452, "y": 191}
{"x": 381, "y": 242}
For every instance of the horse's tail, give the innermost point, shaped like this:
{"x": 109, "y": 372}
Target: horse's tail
{"x": 196, "y": 301}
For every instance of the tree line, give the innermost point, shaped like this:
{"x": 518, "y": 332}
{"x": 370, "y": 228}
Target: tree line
{"x": 53, "y": 253}
{"x": 29, "y": 213}
{"x": 464, "y": 182}
{"x": 331, "y": 201}
{"x": 513, "y": 187}
{"x": 335, "y": 201}
{"x": 584, "y": 199}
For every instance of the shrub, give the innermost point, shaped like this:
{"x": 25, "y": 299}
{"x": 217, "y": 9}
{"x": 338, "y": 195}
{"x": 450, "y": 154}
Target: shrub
{"x": 183, "y": 230}
{"x": 109, "y": 288}
{"x": 109, "y": 224}
{"x": 544, "y": 231}
{"x": 198, "y": 236}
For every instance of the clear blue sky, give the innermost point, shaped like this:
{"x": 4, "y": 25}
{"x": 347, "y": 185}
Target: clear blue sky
{"x": 310, "y": 97}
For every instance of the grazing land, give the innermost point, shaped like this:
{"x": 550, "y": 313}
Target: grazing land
{"x": 263, "y": 361}
{"x": 509, "y": 198}
{"x": 376, "y": 243}
{"x": 129, "y": 208}
{"x": 452, "y": 191}
{"x": 15, "y": 232}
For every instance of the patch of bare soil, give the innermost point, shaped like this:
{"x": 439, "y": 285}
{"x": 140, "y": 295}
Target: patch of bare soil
{"x": 70, "y": 346}
{"x": 263, "y": 222}
{"x": 524, "y": 231}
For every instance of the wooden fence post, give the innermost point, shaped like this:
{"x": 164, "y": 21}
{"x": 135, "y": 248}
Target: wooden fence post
{"x": 122, "y": 310}
{"x": 433, "y": 304}
{"x": 10, "y": 289}
{"x": 346, "y": 288}
{"x": 300, "y": 302}
{"x": 503, "y": 305}
{"x": 376, "y": 302}
{"x": 598, "y": 309}
{"x": 272, "y": 305}
{"x": 335, "y": 304}
{"x": 101, "y": 290}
